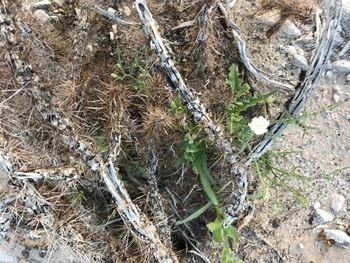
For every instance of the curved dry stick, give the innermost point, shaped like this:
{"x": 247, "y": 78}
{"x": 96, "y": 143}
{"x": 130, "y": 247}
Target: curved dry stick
{"x": 242, "y": 48}
{"x": 215, "y": 134}
{"x": 313, "y": 74}
{"x": 142, "y": 227}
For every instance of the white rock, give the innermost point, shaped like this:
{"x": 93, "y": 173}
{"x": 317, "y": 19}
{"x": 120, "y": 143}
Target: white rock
{"x": 127, "y": 11}
{"x": 317, "y": 205}
{"x": 336, "y": 97}
{"x": 339, "y": 237}
{"x": 342, "y": 66}
{"x": 323, "y": 216}
{"x": 43, "y": 4}
{"x": 42, "y": 16}
{"x": 111, "y": 10}
{"x": 338, "y": 202}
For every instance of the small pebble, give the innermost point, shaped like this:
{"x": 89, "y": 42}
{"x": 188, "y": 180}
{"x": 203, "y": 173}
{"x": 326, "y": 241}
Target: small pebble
{"x": 329, "y": 74}
{"x": 42, "y": 16}
{"x": 317, "y": 205}
{"x": 336, "y": 97}
{"x": 111, "y": 10}
{"x": 342, "y": 66}
{"x": 348, "y": 117}
{"x": 323, "y": 216}
{"x": 127, "y": 11}
{"x": 338, "y": 202}
{"x": 339, "y": 237}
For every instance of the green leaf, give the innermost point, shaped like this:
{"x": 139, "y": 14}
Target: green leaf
{"x": 215, "y": 225}
{"x": 226, "y": 255}
{"x": 232, "y": 233}
{"x": 194, "y": 151}
{"x": 233, "y": 79}
{"x": 195, "y": 214}
{"x": 218, "y": 236}
{"x": 216, "y": 228}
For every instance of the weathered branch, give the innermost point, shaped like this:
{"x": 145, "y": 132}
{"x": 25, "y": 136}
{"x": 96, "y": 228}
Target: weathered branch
{"x": 215, "y": 134}
{"x": 204, "y": 19}
{"x": 242, "y": 48}
{"x": 157, "y": 204}
{"x": 55, "y": 173}
{"x": 196, "y": 108}
{"x": 142, "y": 227}
{"x": 317, "y": 65}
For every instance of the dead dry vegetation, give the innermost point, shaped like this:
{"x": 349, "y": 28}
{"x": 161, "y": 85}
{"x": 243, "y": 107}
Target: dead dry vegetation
{"x": 94, "y": 119}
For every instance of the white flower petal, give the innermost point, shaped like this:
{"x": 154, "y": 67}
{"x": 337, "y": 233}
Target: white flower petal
{"x": 259, "y": 125}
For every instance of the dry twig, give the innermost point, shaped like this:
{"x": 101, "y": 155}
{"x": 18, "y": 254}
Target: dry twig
{"x": 160, "y": 216}
{"x": 215, "y": 134}
{"x": 243, "y": 52}
{"x": 142, "y": 227}
{"x": 317, "y": 65}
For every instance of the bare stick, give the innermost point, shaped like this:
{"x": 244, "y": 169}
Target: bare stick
{"x": 156, "y": 200}
{"x": 242, "y": 48}
{"x": 55, "y": 173}
{"x": 4, "y": 163}
{"x": 113, "y": 17}
{"x": 80, "y": 42}
{"x": 317, "y": 65}
{"x": 142, "y": 227}
{"x": 196, "y": 108}
{"x": 204, "y": 19}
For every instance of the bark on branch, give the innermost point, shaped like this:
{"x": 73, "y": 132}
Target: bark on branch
{"x": 199, "y": 113}
{"x": 142, "y": 227}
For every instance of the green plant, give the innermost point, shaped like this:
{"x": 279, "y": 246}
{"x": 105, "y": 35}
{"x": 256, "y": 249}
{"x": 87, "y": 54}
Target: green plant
{"x": 102, "y": 144}
{"x": 242, "y": 99}
{"x": 78, "y": 198}
{"x": 135, "y": 76}
{"x": 273, "y": 176}
{"x": 194, "y": 150}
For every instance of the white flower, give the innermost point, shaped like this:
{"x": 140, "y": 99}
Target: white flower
{"x": 259, "y": 125}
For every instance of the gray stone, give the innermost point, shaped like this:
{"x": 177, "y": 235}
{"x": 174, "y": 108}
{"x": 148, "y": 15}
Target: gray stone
{"x": 329, "y": 74}
{"x": 339, "y": 237}
{"x": 342, "y": 66}
{"x": 42, "y": 16}
{"x": 298, "y": 55}
{"x": 348, "y": 78}
{"x": 290, "y": 30}
{"x": 323, "y": 216}
{"x": 306, "y": 42}
{"x": 43, "y": 4}
{"x": 348, "y": 117}
{"x": 338, "y": 202}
